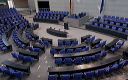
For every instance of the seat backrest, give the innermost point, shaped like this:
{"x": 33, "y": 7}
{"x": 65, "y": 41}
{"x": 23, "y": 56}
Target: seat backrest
{"x": 62, "y": 51}
{"x": 58, "y": 61}
{"x": 107, "y": 26}
{"x": 75, "y": 42}
{"x": 77, "y": 76}
{"x": 52, "y": 77}
{"x": 68, "y": 43}
{"x": 18, "y": 75}
{"x": 70, "y": 51}
{"x": 65, "y": 77}
{"x": 89, "y": 74}
{"x": 60, "y": 43}
{"x": 126, "y": 31}
{"x": 53, "y": 51}
{"x": 113, "y": 27}
{"x": 68, "y": 60}
{"x": 120, "y": 29}
{"x": 78, "y": 49}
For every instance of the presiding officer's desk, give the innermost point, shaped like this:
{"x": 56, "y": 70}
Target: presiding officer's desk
{"x": 35, "y": 55}
{"x": 58, "y": 48}
{"x": 85, "y": 37}
{"x": 84, "y": 67}
{"x": 93, "y": 43}
{"x": 33, "y": 35}
{"x": 47, "y": 39}
{"x": 42, "y": 47}
{"x": 111, "y": 44}
{"x": 8, "y": 45}
{"x": 57, "y": 32}
{"x": 19, "y": 33}
{"x": 16, "y": 66}
{"x": 80, "y": 54}
{"x": 64, "y": 40}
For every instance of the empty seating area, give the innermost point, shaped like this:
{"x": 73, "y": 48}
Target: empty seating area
{"x": 50, "y": 16}
{"x": 80, "y": 15}
{"x": 80, "y": 60}
{"x": 110, "y": 25}
{"x": 63, "y": 40}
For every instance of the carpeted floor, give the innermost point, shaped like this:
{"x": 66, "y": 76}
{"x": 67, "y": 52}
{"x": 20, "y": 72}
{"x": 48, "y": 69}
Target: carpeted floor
{"x": 39, "y": 69}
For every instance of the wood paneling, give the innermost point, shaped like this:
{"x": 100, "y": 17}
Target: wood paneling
{"x": 21, "y": 3}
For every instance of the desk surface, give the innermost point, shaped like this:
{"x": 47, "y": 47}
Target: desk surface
{"x": 88, "y": 53}
{"x": 73, "y": 39}
{"x": 85, "y": 67}
{"x": 15, "y": 65}
{"x": 112, "y": 43}
{"x": 27, "y": 53}
{"x": 96, "y": 41}
{"x": 69, "y": 47}
{"x": 32, "y": 34}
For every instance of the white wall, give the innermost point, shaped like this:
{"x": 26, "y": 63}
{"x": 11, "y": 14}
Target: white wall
{"x": 112, "y": 7}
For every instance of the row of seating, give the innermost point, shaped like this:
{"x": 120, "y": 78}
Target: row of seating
{"x": 114, "y": 18}
{"x": 117, "y": 46}
{"x": 11, "y": 72}
{"x": 64, "y": 51}
{"x": 28, "y": 35}
{"x": 110, "y": 27}
{"x": 79, "y": 60}
{"x": 82, "y": 14}
{"x": 45, "y": 42}
{"x": 67, "y": 43}
{"x": 22, "y": 57}
{"x": 2, "y": 45}
{"x": 38, "y": 50}
{"x": 16, "y": 39}
{"x": 90, "y": 74}
{"x": 117, "y": 24}
{"x": 101, "y": 44}
{"x": 90, "y": 39}
{"x": 3, "y": 29}
{"x": 54, "y": 12}
{"x": 47, "y": 17}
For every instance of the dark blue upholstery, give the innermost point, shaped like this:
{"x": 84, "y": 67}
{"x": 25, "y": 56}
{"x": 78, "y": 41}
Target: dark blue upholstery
{"x": 87, "y": 59}
{"x": 62, "y": 51}
{"x": 78, "y": 50}
{"x": 77, "y": 76}
{"x": 53, "y": 51}
{"x": 65, "y": 77}
{"x": 52, "y": 77}
{"x": 78, "y": 60}
{"x": 58, "y": 61}
{"x": 68, "y": 60}
{"x": 89, "y": 75}
{"x": 60, "y": 43}
{"x": 70, "y": 51}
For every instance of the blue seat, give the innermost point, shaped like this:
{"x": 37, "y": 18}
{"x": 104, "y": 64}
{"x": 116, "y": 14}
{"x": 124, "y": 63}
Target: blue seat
{"x": 124, "y": 25}
{"x": 126, "y": 31}
{"x": 60, "y": 43}
{"x": 53, "y": 51}
{"x": 52, "y": 77}
{"x": 18, "y": 75}
{"x": 97, "y": 56}
{"x": 62, "y": 51}
{"x": 3, "y": 68}
{"x": 107, "y": 26}
{"x": 103, "y": 43}
{"x": 89, "y": 75}
{"x": 21, "y": 57}
{"x": 95, "y": 24}
{"x": 93, "y": 38}
{"x": 103, "y": 54}
{"x": 88, "y": 40}
{"x": 68, "y": 60}
{"x": 46, "y": 43}
{"x": 40, "y": 41}
{"x": 70, "y": 51}
{"x": 58, "y": 61}
{"x": 77, "y": 76}
{"x": 68, "y": 43}
{"x": 87, "y": 59}
{"x": 15, "y": 55}
{"x": 65, "y": 77}
{"x": 126, "y": 63}
{"x": 29, "y": 59}
{"x": 121, "y": 43}
{"x": 101, "y": 25}
{"x": 86, "y": 48}
{"x": 112, "y": 23}
{"x": 78, "y": 60}
{"x": 9, "y": 72}
{"x": 99, "y": 72}
{"x": 37, "y": 50}
{"x": 30, "y": 48}
{"x": 75, "y": 42}
{"x": 114, "y": 49}
{"x": 106, "y": 22}
{"x": 113, "y": 28}
{"x": 78, "y": 50}
{"x": 120, "y": 29}
{"x": 108, "y": 70}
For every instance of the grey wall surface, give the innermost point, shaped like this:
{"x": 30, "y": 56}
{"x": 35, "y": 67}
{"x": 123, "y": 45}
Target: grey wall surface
{"x": 112, "y": 7}
{"x": 31, "y": 4}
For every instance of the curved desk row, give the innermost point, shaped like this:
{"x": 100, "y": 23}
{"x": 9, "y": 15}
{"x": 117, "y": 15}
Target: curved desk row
{"x": 9, "y": 31}
{"x": 111, "y": 44}
{"x": 35, "y": 55}
{"x": 84, "y": 67}
{"x": 33, "y": 35}
{"x": 108, "y": 31}
{"x": 45, "y": 20}
{"x": 58, "y": 48}
{"x": 88, "y": 53}
{"x": 42, "y": 47}
{"x": 56, "y": 32}
{"x": 8, "y": 45}
{"x": 19, "y": 33}
{"x": 64, "y": 40}
{"x": 16, "y": 66}
{"x": 85, "y": 37}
